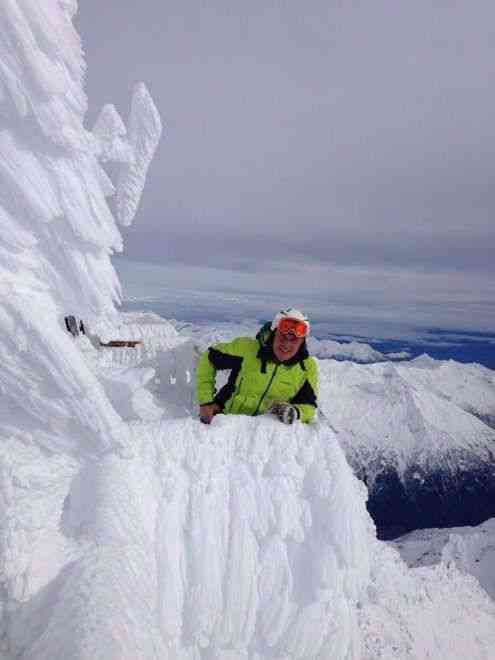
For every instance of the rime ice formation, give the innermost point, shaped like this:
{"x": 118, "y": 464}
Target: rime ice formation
{"x": 110, "y": 132}
{"x": 134, "y": 150}
{"x": 57, "y": 237}
{"x": 144, "y": 134}
{"x": 129, "y": 531}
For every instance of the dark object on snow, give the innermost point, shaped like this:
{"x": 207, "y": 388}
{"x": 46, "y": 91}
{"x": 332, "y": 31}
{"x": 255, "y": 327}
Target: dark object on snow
{"x": 121, "y": 343}
{"x": 76, "y": 328}
{"x": 71, "y": 325}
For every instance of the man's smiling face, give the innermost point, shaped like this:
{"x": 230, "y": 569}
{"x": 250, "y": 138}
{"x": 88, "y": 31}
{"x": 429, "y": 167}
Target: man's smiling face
{"x": 286, "y": 345}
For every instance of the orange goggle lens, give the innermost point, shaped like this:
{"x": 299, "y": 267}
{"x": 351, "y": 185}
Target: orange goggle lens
{"x": 299, "y": 328}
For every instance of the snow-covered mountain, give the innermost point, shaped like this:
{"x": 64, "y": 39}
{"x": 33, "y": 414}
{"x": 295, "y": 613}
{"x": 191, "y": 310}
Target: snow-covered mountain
{"x": 128, "y": 530}
{"x": 417, "y": 433}
{"x": 353, "y": 350}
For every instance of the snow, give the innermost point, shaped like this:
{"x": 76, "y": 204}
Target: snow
{"x": 399, "y": 355}
{"x": 470, "y": 387}
{"x": 426, "y": 612}
{"x": 353, "y": 350}
{"x": 321, "y": 348}
{"x": 145, "y": 129}
{"x": 129, "y": 530}
{"x": 471, "y": 549}
{"x": 133, "y": 149}
{"x": 425, "y": 413}
{"x": 410, "y": 415}
{"x": 110, "y": 132}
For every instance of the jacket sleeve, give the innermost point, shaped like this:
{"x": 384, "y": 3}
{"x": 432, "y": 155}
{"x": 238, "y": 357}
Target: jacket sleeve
{"x": 226, "y": 355}
{"x": 306, "y": 398}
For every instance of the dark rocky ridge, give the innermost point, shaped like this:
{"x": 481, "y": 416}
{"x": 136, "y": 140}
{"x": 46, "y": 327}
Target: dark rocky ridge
{"x": 439, "y": 498}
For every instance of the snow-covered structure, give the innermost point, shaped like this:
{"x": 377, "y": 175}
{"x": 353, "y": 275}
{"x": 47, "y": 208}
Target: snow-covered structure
{"x": 128, "y": 530}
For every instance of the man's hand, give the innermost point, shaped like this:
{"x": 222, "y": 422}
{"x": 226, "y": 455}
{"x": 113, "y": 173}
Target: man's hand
{"x": 208, "y": 412}
{"x": 286, "y": 412}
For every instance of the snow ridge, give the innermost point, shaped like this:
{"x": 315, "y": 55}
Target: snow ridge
{"x": 415, "y": 435}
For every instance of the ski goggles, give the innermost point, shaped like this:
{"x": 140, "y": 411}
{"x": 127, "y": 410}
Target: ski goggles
{"x": 299, "y": 328}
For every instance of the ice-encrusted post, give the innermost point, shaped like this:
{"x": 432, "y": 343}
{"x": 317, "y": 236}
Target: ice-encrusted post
{"x": 132, "y": 148}
{"x": 145, "y": 129}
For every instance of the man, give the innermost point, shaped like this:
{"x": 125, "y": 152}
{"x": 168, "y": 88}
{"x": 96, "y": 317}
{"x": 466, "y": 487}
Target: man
{"x": 272, "y": 373}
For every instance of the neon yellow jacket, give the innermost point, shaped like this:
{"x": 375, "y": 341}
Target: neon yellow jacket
{"x": 257, "y": 379}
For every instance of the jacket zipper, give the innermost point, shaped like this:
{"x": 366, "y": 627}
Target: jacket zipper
{"x": 236, "y": 392}
{"x": 266, "y": 390}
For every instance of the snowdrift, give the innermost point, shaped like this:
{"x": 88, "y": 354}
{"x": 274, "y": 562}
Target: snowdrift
{"x": 239, "y": 540}
{"x": 128, "y": 530}
{"x": 472, "y": 549}
{"x": 208, "y": 543}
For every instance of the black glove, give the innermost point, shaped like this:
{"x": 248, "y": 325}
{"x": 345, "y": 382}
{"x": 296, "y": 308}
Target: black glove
{"x": 286, "y": 412}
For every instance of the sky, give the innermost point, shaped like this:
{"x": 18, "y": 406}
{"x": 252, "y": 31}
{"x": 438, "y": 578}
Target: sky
{"x": 343, "y": 149}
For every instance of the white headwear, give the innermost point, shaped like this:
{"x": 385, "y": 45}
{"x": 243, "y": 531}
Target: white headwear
{"x": 290, "y": 313}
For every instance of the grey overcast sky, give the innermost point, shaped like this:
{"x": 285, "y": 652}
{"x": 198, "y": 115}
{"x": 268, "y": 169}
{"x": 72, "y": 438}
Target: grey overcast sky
{"x": 334, "y": 142}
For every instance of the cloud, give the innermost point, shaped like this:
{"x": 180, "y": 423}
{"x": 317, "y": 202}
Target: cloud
{"x": 350, "y": 299}
{"x": 344, "y": 146}
{"x": 399, "y": 249}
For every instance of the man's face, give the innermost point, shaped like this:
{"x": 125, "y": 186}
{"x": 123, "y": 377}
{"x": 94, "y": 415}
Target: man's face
{"x": 285, "y": 346}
